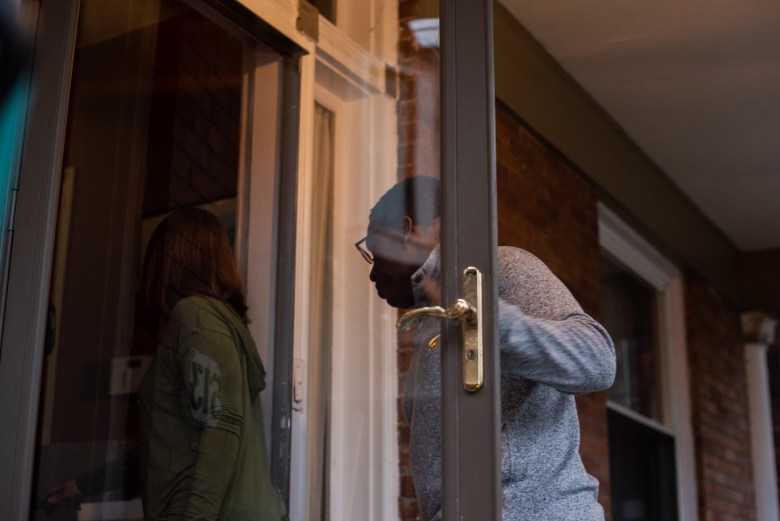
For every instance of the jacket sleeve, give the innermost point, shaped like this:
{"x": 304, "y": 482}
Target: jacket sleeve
{"x": 573, "y": 354}
{"x": 211, "y": 370}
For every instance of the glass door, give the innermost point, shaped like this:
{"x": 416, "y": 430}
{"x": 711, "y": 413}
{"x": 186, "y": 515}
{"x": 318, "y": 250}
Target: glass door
{"x": 171, "y": 172}
{"x": 388, "y": 173}
{"x": 389, "y": 209}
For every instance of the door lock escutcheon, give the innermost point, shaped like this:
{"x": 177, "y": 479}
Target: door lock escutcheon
{"x": 468, "y": 310}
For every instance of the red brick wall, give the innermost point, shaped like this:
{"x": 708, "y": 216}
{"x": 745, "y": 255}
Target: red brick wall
{"x": 549, "y": 208}
{"x": 418, "y": 154}
{"x": 719, "y": 405}
{"x": 418, "y": 104}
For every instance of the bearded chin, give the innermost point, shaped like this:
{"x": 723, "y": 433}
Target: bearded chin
{"x": 405, "y": 299}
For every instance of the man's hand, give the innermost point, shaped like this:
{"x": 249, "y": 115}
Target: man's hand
{"x": 64, "y": 496}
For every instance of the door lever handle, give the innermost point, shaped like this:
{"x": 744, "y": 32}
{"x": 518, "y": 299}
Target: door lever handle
{"x": 459, "y": 310}
{"x": 469, "y": 311}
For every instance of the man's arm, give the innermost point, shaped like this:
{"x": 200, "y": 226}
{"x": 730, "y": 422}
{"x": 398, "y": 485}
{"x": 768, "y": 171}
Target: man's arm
{"x": 574, "y": 354}
{"x": 544, "y": 334}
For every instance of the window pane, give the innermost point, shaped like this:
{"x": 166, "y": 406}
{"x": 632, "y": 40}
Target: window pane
{"x": 642, "y": 466}
{"x": 630, "y": 318}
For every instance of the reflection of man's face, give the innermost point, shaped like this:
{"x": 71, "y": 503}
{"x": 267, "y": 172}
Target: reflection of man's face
{"x": 396, "y": 258}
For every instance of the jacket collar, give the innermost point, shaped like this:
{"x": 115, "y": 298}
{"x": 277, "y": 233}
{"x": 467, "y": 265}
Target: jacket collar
{"x": 430, "y": 269}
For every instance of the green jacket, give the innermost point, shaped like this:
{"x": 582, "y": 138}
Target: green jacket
{"x": 203, "y": 453}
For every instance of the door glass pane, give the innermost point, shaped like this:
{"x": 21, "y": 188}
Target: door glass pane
{"x": 366, "y": 419}
{"x": 151, "y": 377}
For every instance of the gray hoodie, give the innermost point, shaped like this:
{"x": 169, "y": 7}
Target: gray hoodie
{"x": 550, "y": 351}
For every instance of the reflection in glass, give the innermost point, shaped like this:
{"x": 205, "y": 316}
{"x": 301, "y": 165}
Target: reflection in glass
{"x": 642, "y": 466}
{"x": 202, "y": 440}
{"x": 630, "y": 317}
{"x": 155, "y": 125}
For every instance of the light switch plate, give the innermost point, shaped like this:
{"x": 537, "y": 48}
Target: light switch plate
{"x": 127, "y": 373}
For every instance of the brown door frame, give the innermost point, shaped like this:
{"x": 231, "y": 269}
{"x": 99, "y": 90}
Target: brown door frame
{"x": 471, "y": 421}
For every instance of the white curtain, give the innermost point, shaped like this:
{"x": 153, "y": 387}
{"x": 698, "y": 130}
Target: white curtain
{"x": 320, "y": 313}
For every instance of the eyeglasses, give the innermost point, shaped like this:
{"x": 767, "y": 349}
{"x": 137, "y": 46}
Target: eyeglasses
{"x": 363, "y": 251}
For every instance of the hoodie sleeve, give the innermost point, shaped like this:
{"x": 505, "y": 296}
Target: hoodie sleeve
{"x": 544, "y": 334}
{"x": 574, "y": 354}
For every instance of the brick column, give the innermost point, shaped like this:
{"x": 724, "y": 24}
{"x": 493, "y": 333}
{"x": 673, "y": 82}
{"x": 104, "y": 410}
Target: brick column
{"x": 720, "y": 409}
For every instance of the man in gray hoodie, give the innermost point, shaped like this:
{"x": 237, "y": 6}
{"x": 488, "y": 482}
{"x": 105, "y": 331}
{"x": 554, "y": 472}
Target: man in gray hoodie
{"x": 550, "y": 351}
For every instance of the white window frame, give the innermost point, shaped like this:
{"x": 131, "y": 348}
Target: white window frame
{"x": 634, "y": 252}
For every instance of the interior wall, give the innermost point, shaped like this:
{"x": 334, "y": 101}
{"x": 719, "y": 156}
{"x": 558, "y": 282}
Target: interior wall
{"x": 194, "y": 132}
{"x": 95, "y": 319}
{"x": 154, "y": 125}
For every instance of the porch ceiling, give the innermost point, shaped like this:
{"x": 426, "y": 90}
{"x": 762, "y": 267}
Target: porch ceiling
{"x": 696, "y": 84}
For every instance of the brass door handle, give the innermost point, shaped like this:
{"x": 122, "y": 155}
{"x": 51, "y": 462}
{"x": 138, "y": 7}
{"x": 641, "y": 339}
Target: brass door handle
{"x": 459, "y": 310}
{"x": 468, "y": 310}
